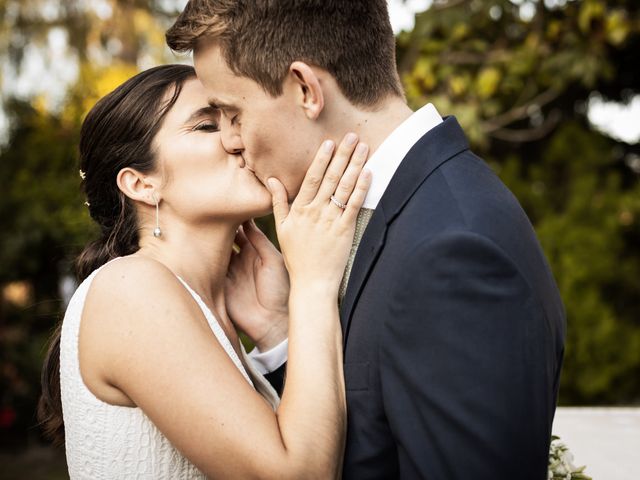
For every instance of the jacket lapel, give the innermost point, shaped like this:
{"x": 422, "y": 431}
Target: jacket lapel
{"x": 366, "y": 256}
{"x": 434, "y": 148}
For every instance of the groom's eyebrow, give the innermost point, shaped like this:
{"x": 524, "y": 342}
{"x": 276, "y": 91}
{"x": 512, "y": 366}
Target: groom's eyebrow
{"x": 220, "y": 105}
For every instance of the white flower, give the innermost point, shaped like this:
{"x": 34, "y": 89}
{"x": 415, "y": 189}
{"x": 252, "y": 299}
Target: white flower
{"x": 561, "y": 463}
{"x": 567, "y": 458}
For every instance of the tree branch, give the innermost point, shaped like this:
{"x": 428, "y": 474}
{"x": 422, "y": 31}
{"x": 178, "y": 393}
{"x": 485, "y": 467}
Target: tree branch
{"x": 528, "y": 134}
{"x": 519, "y": 113}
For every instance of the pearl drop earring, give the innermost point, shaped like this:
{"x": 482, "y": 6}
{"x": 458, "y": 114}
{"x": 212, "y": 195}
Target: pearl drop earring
{"x": 156, "y": 231}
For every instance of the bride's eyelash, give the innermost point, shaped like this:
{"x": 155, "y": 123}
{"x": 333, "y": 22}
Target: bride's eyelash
{"x": 207, "y": 127}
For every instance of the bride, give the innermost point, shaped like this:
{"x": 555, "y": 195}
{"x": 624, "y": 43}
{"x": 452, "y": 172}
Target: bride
{"x": 153, "y": 380}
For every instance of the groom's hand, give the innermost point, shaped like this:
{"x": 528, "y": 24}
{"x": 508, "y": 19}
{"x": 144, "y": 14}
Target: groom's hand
{"x": 257, "y": 289}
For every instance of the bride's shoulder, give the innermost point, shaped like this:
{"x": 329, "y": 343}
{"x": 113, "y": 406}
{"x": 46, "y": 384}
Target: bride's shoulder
{"x": 133, "y": 304}
{"x": 127, "y": 280}
{"x": 132, "y": 299}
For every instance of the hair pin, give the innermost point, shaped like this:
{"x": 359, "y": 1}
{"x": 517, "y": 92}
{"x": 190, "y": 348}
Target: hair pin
{"x": 87, "y": 204}
{"x": 82, "y": 174}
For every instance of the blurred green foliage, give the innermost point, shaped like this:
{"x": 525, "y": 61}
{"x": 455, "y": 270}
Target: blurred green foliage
{"x": 43, "y": 220}
{"x": 518, "y": 75}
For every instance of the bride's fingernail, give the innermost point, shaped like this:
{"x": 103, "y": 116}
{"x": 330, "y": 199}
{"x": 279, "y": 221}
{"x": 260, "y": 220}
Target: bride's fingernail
{"x": 328, "y": 146}
{"x": 270, "y": 182}
{"x": 351, "y": 138}
{"x": 362, "y": 148}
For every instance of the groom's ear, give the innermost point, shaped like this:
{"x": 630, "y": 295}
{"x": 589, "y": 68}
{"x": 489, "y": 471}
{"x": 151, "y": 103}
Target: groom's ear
{"x": 308, "y": 91}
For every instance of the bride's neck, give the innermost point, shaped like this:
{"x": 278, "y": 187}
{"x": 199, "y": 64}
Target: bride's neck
{"x": 200, "y": 256}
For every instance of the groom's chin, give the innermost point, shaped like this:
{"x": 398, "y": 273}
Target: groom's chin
{"x": 292, "y": 190}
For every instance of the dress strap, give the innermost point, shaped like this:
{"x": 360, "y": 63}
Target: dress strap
{"x": 217, "y": 330}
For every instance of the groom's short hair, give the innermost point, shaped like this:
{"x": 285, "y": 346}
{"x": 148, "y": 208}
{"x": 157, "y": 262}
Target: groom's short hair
{"x": 259, "y": 39}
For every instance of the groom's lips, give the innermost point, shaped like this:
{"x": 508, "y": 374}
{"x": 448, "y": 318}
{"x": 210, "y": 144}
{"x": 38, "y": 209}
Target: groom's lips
{"x": 248, "y": 167}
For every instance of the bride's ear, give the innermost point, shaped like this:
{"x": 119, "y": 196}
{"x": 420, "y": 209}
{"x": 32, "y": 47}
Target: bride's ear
{"x": 307, "y": 89}
{"x": 137, "y": 186}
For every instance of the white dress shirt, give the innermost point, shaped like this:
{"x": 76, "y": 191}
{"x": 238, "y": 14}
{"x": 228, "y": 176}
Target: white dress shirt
{"x": 271, "y": 360}
{"x": 383, "y": 163}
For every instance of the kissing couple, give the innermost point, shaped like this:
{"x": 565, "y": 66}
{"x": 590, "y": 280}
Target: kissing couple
{"x": 418, "y": 322}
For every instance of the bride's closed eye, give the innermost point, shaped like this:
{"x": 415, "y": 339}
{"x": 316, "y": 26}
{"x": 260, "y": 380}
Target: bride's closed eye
{"x": 206, "y": 119}
{"x": 207, "y": 127}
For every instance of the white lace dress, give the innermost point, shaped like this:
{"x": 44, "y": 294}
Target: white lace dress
{"x": 111, "y": 442}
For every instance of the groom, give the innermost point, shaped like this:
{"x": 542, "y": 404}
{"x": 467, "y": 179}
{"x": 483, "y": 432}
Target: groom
{"x": 452, "y": 322}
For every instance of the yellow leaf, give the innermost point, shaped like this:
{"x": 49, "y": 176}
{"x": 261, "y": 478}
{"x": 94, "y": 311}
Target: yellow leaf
{"x": 617, "y": 27}
{"x": 458, "y": 85}
{"x": 591, "y": 10}
{"x": 487, "y": 82}
{"x": 460, "y": 31}
{"x": 102, "y": 81}
{"x": 553, "y": 29}
{"x": 113, "y": 76}
{"x": 422, "y": 68}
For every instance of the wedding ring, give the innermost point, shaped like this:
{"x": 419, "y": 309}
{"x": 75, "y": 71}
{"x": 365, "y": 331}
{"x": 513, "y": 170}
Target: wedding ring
{"x": 337, "y": 202}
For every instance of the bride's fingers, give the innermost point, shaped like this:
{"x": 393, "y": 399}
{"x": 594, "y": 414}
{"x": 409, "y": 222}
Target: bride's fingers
{"x": 354, "y": 204}
{"x": 248, "y": 251}
{"x": 350, "y": 176}
{"x": 232, "y": 262}
{"x": 236, "y": 261}
{"x": 258, "y": 240}
{"x": 337, "y": 167}
{"x": 241, "y": 238}
{"x": 315, "y": 173}
{"x": 279, "y": 199}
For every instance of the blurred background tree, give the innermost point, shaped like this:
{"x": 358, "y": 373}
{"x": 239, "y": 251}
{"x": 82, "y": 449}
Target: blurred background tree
{"x": 86, "y": 49}
{"x": 520, "y": 75}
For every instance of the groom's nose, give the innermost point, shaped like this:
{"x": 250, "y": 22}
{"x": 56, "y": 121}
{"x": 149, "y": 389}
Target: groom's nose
{"x": 231, "y": 141}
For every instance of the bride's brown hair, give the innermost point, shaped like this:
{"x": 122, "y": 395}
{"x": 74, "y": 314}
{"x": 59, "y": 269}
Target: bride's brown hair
{"x": 118, "y": 132}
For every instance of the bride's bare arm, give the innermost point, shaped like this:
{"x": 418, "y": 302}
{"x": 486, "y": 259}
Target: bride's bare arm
{"x": 154, "y": 347}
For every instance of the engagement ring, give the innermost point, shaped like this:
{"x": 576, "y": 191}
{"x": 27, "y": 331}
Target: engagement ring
{"x": 338, "y": 202}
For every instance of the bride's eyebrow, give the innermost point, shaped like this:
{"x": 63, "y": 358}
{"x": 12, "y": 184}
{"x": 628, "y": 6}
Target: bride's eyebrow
{"x": 208, "y": 111}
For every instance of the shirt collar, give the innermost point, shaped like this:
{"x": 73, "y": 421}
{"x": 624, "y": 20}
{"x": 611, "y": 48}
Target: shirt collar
{"x": 384, "y": 162}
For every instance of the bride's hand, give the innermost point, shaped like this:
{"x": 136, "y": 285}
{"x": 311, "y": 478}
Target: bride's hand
{"x": 315, "y": 233}
{"x": 257, "y": 288}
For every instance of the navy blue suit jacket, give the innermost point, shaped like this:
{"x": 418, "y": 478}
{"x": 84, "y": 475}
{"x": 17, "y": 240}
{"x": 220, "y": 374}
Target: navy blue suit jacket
{"x": 453, "y": 327}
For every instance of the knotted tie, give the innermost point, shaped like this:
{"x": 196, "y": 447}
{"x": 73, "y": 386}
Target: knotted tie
{"x": 361, "y": 224}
